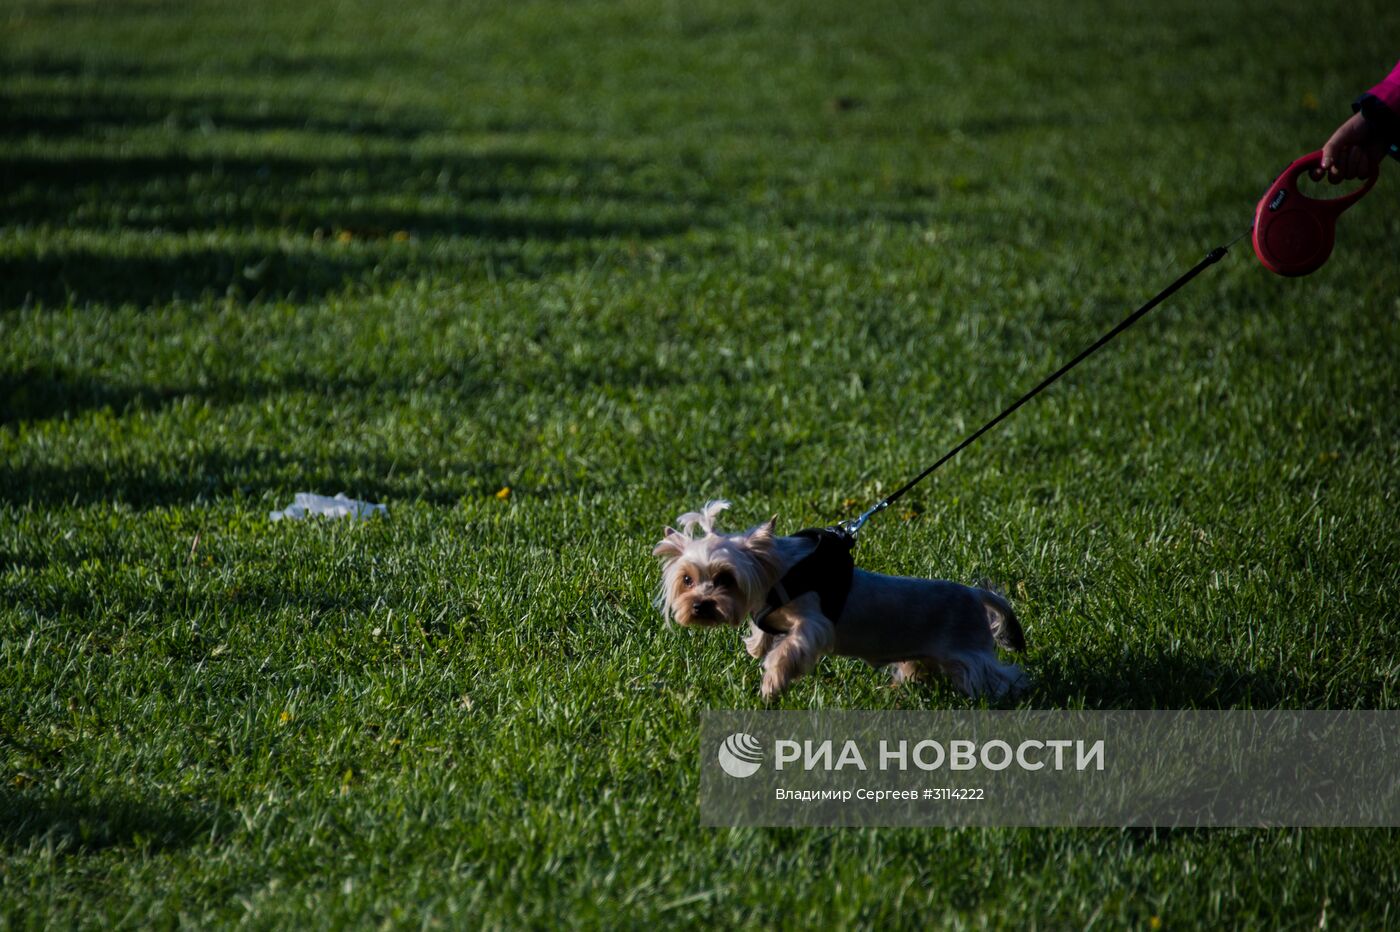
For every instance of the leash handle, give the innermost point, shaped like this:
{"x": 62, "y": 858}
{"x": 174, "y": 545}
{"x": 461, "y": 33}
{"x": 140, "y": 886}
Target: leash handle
{"x": 1333, "y": 205}
{"x": 852, "y": 528}
{"x": 1294, "y": 233}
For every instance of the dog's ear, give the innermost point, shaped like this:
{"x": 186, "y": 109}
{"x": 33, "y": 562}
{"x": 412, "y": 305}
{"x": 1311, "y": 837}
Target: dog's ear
{"x": 761, "y": 537}
{"x": 672, "y": 544}
{"x": 761, "y": 543}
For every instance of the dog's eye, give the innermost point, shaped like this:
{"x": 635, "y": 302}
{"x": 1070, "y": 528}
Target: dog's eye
{"x": 725, "y": 580}
{"x": 687, "y": 580}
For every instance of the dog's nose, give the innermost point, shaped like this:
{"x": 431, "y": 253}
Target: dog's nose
{"x": 705, "y": 609}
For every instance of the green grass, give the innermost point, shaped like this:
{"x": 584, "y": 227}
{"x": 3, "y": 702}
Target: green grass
{"x": 622, "y": 257}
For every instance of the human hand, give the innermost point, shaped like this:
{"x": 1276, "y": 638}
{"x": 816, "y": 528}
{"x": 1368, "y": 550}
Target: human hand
{"x": 1351, "y": 152}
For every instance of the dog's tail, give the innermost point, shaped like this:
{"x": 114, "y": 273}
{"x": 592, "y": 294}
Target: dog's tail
{"x": 1006, "y": 629}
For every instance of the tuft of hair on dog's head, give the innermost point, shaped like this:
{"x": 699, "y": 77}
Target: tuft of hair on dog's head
{"x": 713, "y": 579}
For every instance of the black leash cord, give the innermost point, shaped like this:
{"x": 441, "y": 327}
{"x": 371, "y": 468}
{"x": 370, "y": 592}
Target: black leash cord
{"x": 1212, "y": 257}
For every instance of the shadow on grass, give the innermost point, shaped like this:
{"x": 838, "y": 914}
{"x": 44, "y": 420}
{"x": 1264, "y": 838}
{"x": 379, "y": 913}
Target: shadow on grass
{"x": 59, "y": 115}
{"x": 194, "y": 193}
{"x": 142, "y": 229}
{"x": 13, "y": 67}
{"x": 1138, "y": 678}
{"x": 37, "y": 394}
{"x": 86, "y": 276}
{"x": 79, "y": 9}
{"x": 315, "y": 209}
{"x": 221, "y": 474}
{"x": 71, "y": 825}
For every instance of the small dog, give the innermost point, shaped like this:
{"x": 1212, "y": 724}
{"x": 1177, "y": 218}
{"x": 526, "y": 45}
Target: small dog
{"x": 912, "y": 625}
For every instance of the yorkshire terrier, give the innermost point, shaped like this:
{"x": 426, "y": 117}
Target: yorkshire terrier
{"x": 806, "y": 599}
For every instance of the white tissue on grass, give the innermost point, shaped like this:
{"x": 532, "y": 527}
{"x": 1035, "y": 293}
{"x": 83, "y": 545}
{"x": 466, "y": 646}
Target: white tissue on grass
{"x": 309, "y": 503}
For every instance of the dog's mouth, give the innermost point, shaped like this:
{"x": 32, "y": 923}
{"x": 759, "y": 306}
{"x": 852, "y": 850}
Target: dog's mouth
{"x": 712, "y": 619}
{"x": 706, "y": 612}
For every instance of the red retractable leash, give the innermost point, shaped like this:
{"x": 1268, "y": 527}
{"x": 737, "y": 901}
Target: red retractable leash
{"x": 1293, "y": 235}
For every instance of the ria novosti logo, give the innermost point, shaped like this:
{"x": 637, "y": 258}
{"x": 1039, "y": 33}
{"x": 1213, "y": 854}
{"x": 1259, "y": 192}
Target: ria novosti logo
{"x": 740, "y": 755}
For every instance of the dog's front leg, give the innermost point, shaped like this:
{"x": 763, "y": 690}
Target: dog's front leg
{"x": 758, "y": 643}
{"x": 809, "y": 636}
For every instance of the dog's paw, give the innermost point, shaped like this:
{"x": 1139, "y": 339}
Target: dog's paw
{"x": 772, "y": 686}
{"x": 906, "y": 671}
{"x": 1019, "y": 685}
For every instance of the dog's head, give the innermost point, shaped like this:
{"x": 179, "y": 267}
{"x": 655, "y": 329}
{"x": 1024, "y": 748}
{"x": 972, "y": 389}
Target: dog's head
{"x": 713, "y": 579}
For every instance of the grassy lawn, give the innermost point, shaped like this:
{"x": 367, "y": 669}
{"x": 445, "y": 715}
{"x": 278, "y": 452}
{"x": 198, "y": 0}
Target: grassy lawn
{"x": 618, "y": 258}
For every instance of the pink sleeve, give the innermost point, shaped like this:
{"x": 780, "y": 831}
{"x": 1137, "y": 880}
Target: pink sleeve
{"x": 1388, "y": 91}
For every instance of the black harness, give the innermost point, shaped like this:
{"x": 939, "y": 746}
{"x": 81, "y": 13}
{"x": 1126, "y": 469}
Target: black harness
{"x": 827, "y": 571}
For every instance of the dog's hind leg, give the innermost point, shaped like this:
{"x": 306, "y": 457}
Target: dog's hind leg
{"x": 980, "y": 673}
